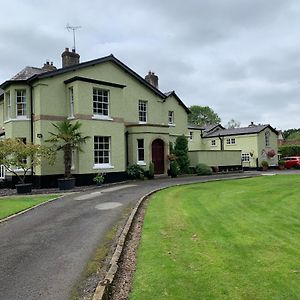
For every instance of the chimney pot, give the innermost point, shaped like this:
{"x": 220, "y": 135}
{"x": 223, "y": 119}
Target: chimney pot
{"x": 70, "y": 58}
{"x": 152, "y": 79}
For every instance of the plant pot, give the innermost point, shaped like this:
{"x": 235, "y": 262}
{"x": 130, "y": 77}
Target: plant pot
{"x": 24, "y": 188}
{"x": 66, "y": 183}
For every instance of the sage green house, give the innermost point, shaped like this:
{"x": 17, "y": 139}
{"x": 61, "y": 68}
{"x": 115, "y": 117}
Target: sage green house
{"x": 129, "y": 120}
{"x": 255, "y": 142}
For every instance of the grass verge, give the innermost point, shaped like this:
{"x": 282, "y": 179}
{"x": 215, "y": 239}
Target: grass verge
{"x": 236, "y": 239}
{"x": 12, "y": 205}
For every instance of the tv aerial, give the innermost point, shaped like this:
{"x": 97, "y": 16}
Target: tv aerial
{"x": 73, "y": 28}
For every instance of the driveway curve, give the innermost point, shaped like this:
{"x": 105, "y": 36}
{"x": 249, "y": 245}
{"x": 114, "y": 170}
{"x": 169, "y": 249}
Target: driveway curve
{"x": 44, "y": 251}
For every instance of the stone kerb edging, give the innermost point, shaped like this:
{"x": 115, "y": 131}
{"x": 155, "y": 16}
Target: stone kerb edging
{"x": 102, "y": 290}
{"x": 103, "y": 287}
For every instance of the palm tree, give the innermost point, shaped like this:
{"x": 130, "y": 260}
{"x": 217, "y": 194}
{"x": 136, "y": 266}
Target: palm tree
{"x": 67, "y": 138}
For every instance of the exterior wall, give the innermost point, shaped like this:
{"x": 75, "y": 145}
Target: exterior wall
{"x": 51, "y": 99}
{"x": 215, "y": 158}
{"x": 252, "y": 144}
{"x": 264, "y": 149}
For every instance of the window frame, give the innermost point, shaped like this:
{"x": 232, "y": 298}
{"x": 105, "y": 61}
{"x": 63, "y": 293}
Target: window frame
{"x": 213, "y": 143}
{"x": 98, "y": 112}
{"x": 71, "y": 102}
{"x": 143, "y": 111}
{"x": 191, "y": 135}
{"x": 267, "y": 138}
{"x": 140, "y": 149}
{"x": 247, "y": 156}
{"x": 171, "y": 118}
{"x": 106, "y": 158}
{"x": 8, "y": 111}
{"x": 23, "y": 104}
{"x": 230, "y": 141}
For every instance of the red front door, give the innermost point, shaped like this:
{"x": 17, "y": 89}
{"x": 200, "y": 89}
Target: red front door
{"x": 158, "y": 156}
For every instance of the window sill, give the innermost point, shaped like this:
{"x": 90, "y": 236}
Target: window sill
{"x": 103, "y": 166}
{"x": 141, "y": 163}
{"x": 71, "y": 118}
{"x": 172, "y": 125}
{"x": 141, "y": 122}
{"x": 17, "y": 119}
{"x": 103, "y": 118}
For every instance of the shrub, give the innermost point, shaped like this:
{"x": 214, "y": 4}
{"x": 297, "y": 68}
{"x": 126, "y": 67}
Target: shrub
{"x": 203, "y": 169}
{"x": 181, "y": 151}
{"x": 174, "y": 169}
{"x": 264, "y": 164}
{"x": 135, "y": 172}
{"x": 150, "y": 172}
{"x": 99, "y": 178}
{"x": 289, "y": 150}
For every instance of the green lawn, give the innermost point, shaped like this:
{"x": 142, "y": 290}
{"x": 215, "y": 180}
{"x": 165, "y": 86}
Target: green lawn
{"x": 237, "y": 239}
{"x": 12, "y": 205}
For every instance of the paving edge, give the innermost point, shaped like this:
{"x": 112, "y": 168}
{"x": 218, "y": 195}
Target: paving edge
{"x": 30, "y": 208}
{"x": 102, "y": 289}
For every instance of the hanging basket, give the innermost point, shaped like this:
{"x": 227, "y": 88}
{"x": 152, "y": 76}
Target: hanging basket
{"x": 271, "y": 153}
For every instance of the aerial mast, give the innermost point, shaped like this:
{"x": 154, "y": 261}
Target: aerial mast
{"x": 73, "y": 28}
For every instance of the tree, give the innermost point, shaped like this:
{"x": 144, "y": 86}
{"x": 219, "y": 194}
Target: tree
{"x": 16, "y": 155}
{"x": 203, "y": 115}
{"x": 291, "y": 133}
{"x": 181, "y": 153}
{"x": 67, "y": 138}
{"x": 233, "y": 124}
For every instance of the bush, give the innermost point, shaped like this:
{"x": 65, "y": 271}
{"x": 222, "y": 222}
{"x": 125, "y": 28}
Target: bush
{"x": 181, "y": 151}
{"x": 174, "y": 169}
{"x": 203, "y": 169}
{"x": 150, "y": 173}
{"x": 289, "y": 150}
{"x": 264, "y": 164}
{"x": 135, "y": 172}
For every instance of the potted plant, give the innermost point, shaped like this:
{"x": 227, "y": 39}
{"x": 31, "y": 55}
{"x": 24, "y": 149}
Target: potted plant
{"x": 18, "y": 158}
{"x": 264, "y": 165}
{"x": 67, "y": 138}
{"x": 99, "y": 179}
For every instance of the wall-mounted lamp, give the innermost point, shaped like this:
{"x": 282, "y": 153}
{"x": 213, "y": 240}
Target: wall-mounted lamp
{"x": 39, "y": 135}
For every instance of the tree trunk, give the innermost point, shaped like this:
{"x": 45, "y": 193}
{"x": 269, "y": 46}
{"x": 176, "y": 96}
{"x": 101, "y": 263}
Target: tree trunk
{"x": 68, "y": 160}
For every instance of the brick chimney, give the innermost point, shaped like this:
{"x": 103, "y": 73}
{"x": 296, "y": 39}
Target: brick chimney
{"x": 152, "y": 79}
{"x": 48, "y": 66}
{"x": 69, "y": 58}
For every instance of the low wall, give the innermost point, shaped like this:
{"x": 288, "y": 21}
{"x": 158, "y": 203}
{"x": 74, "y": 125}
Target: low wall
{"x": 216, "y": 158}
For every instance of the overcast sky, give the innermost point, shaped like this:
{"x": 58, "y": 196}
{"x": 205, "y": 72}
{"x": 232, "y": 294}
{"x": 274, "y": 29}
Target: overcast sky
{"x": 240, "y": 57}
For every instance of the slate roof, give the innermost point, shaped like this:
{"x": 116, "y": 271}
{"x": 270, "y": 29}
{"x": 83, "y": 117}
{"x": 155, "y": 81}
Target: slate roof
{"x": 195, "y": 127}
{"x": 27, "y": 73}
{"x": 31, "y": 74}
{"x": 240, "y": 131}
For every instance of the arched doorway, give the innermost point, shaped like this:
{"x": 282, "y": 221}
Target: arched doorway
{"x": 158, "y": 156}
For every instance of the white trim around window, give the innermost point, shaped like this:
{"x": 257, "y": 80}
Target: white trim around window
{"x": 171, "y": 120}
{"x": 71, "y": 102}
{"x": 213, "y": 143}
{"x": 230, "y": 141}
{"x": 143, "y": 111}
{"x": 21, "y": 104}
{"x": 100, "y": 103}
{"x": 102, "y": 152}
{"x": 141, "y": 152}
{"x": 245, "y": 157}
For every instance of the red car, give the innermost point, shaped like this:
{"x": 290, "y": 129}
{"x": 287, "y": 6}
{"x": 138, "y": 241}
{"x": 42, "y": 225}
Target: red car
{"x": 291, "y": 162}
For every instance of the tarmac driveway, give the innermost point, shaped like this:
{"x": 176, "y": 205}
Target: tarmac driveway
{"x": 44, "y": 251}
